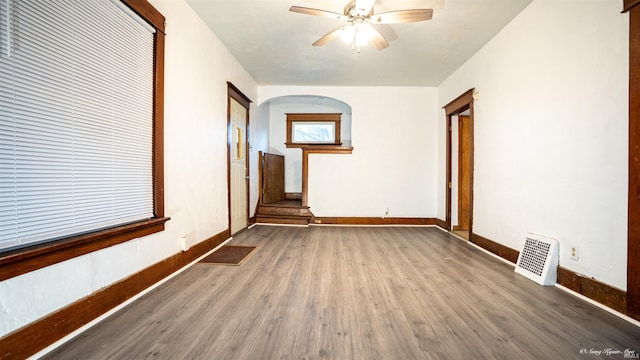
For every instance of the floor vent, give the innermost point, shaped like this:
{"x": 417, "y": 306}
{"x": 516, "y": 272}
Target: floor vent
{"x": 538, "y": 259}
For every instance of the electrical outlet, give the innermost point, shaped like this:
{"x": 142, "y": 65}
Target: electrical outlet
{"x": 184, "y": 245}
{"x": 386, "y": 211}
{"x": 574, "y": 253}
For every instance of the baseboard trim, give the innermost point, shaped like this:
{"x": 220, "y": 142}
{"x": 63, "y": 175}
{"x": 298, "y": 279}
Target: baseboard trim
{"x": 625, "y": 317}
{"x": 442, "y": 224}
{"x": 374, "y": 221}
{"x": 607, "y": 295}
{"x": 36, "y": 336}
{"x": 504, "y": 252}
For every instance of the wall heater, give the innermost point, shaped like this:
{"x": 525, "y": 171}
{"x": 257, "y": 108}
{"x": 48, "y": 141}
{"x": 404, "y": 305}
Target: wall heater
{"x": 538, "y": 259}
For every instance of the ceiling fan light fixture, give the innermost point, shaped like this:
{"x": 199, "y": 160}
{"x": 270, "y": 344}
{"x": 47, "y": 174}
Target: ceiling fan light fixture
{"x": 359, "y": 14}
{"x": 347, "y": 33}
{"x": 360, "y": 34}
{"x": 357, "y": 35}
{"x": 363, "y": 35}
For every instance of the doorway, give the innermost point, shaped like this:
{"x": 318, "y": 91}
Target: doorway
{"x": 459, "y": 182}
{"x": 238, "y": 159}
{"x": 461, "y": 178}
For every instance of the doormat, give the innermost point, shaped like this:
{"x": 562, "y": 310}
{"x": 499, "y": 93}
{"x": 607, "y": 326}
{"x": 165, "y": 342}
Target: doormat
{"x": 230, "y": 255}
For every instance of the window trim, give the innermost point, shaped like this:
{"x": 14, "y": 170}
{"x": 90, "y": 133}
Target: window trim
{"x": 20, "y": 261}
{"x": 316, "y": 117}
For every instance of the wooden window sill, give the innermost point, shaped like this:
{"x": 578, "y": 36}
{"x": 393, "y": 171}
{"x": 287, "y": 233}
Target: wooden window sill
{"x": 306, "y": 145}
{"x": 21, "y": 261}
{"x": 327, "y": 149}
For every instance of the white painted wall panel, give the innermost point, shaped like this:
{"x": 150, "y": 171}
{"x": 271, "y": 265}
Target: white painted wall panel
{"x": 259, "y": 141}
{"x": 197, "y": 68}
{"x": 28, "y": 297}
{"x": 279, "y": 107}
{"x": 394, "y": 163}
{"x": 551, "y": 130}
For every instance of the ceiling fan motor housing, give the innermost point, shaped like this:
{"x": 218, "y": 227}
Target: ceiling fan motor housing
{"x": 352, "y": 12}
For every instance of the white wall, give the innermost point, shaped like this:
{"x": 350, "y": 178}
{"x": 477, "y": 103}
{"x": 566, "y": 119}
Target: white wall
{"x": 259, "y": 141}
{"x": 279, "y": 107}
{"x": 394, "y": 161}
{"x": 551, "y": 129}
{"x": 196, "y": 73}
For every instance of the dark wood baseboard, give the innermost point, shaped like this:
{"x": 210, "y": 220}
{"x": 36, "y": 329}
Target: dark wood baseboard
{"x": 442, "y": 224}
{"x": 504, "y": 252}
{"x": 36, "y": 336}
{"x": 252, "y": 220}
{"x": 374, "y": 221}
{"x": 604, "y": 294}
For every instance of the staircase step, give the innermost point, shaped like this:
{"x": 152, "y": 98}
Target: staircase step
{"x": 278, "y": 211}
{"x": 282, "y": 219}
{"x": 283, "y": 210}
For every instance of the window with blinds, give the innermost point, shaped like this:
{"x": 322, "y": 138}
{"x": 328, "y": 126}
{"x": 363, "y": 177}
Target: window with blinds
{"x": 76, "y": 119}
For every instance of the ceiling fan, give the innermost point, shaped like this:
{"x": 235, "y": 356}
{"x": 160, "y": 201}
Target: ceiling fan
{"x": 360, "y": 15}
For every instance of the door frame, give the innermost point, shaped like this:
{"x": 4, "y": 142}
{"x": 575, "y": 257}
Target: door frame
{"x": 633, "y": 216}
{"x": 234, "y": 93}
{"x": 459, "y": 184}
{"x": 460, "y": 104}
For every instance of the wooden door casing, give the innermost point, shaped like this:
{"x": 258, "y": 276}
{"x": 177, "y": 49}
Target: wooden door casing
{"x": 459, "y": 105}
{"x": 632, "y": 7}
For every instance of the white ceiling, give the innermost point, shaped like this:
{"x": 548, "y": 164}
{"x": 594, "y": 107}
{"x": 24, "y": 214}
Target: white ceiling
{"x": 274, "y": 44}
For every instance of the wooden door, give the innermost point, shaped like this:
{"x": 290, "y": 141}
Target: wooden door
{"x": 238, "y": 163}
{"x": 272, "y": 178}
{"x": 464, "y": 172}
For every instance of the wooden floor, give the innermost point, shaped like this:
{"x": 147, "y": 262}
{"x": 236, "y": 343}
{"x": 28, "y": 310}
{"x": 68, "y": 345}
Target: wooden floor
{"x": 461, "y": 233}
{"x": 355, "y": 293}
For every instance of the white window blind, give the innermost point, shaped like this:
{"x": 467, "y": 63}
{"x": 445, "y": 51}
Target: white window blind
{"x": 76, "y": 119}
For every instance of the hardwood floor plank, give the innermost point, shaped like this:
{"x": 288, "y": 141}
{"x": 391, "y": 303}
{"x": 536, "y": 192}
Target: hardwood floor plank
{"x": 354, "y": 293}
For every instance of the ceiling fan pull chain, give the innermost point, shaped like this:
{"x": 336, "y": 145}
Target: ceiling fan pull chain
{"x": 355, "y": 36}
{"x": 355, "y": 45}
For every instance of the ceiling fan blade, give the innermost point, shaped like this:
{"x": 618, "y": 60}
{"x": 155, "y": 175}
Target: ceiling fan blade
{"x": 330, "y": 36}
{"x": 402, "y": 16}
{"x": 317, "y": 12}
{"x": 378, "y": 40}
{"x": 387, "y": 31}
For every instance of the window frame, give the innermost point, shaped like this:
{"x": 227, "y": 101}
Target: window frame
{"x": 311, "y": 118}
{"x": 23, "y": 260}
